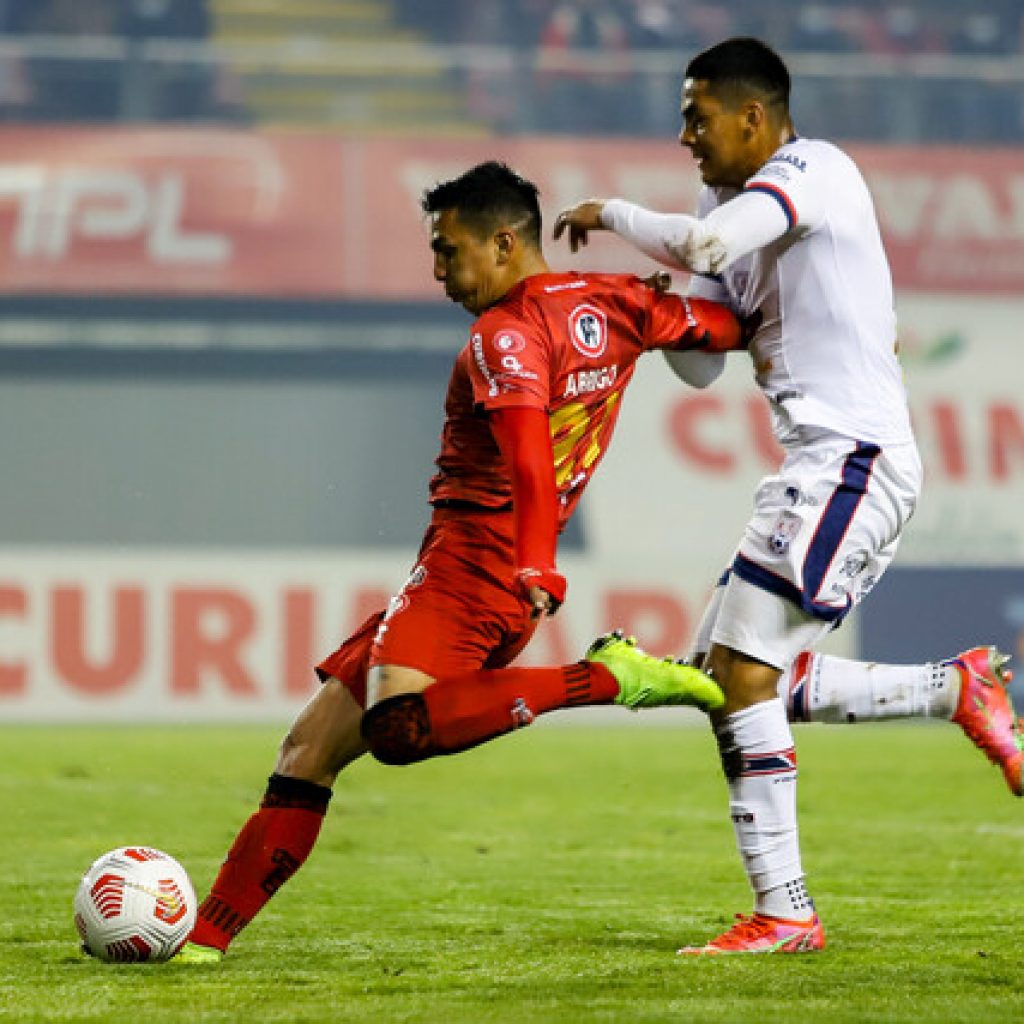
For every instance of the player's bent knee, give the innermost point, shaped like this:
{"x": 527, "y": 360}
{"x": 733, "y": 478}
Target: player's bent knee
{"x": 741, "y": 675}
{"x": 397, "y": 729}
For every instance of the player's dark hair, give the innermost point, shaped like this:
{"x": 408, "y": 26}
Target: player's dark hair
{"x": 487, "y": 197}
{"x": 738, "y": 67}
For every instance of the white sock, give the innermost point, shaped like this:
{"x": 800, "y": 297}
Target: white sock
{"x": 756, "y": 746}
{"x": 822, "y": 688}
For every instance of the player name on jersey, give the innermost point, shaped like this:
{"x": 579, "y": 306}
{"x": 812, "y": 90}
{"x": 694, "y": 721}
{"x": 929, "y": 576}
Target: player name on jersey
{"x": 585, "y": 381}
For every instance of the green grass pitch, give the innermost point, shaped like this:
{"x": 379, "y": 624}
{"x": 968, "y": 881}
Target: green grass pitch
{"x": 547, "y": 877}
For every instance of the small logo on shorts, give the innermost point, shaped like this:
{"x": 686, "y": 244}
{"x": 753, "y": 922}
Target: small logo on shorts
{"x": 784, "y": 532}
{"x": 854, "y": 565}
{"x": 399, "y": 602}
{"x": 797, "y": 497}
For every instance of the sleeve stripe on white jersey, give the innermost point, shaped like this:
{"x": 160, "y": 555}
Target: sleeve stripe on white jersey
{"x": 779, "y": 196}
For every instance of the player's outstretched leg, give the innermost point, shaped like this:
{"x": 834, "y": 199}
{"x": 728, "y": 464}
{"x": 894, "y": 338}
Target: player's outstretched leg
{"x": 969, "y": 689}
{"x": 761, "y": 934}
{"x": 458, "y": 712}
{"x": 649, "y": 682}
{"x": 985, "y": 713}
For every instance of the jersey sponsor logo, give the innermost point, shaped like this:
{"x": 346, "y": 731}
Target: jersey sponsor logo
{"x": 777, "y": 173}
{"x": 584, "y": 382}
{"x": 566, "y": 286}
{"x": 476, "y": 343}
{"x": 588, "y": 329}
{"x": 789, "y": 158}
{"x": 509, "y": 342}
{"x": 512, "y": 371}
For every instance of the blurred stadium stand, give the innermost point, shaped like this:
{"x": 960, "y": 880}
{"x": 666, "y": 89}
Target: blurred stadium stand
{"x": 345, "y": 64}
{"x": 919, "y": 70}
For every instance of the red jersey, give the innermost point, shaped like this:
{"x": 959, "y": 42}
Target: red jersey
{"x": 563, "y": 343}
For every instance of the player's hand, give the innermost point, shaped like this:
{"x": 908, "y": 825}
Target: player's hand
{"x": 660, "y": 281}
{"x": 579, "y": 220}
{"x": 541, "y": 603}
{"x": 543, "y": 588}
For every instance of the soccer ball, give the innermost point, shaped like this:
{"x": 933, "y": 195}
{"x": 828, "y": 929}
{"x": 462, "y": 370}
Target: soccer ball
{"x": 134, "y": 904}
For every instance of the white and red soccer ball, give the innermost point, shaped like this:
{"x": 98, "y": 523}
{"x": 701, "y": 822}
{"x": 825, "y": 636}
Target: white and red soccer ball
{"x": 135, "y": 904}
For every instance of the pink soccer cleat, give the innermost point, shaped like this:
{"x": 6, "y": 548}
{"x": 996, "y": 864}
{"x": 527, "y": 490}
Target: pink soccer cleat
{"x": 985, "y": 713}
{"x": 763, "y": 934}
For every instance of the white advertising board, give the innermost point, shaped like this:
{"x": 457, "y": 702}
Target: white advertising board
{"x": 188, "y": 636}
{"x": 678, "y": 481}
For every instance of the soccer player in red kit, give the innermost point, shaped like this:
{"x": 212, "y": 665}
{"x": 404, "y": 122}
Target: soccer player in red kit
{"x": 531, "y": 406}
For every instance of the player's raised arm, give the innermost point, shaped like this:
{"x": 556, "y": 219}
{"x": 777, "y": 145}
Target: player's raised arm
{"x": 701, "y": 245}
{"x": 658, "y": 235}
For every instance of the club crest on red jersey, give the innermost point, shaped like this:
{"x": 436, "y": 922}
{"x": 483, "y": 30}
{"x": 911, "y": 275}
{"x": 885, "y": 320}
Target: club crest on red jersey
{"x": 588, "y": 329}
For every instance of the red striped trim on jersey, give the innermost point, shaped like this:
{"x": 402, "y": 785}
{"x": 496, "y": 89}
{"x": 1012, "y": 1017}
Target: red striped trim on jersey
{"x": 779, "y": 196}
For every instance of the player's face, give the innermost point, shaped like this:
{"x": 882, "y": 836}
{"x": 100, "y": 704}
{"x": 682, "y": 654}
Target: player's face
{"x": 467, "y": 265}
{"x": 719, "y": 138}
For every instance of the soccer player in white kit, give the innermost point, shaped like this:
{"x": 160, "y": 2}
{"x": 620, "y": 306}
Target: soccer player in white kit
{"x": 786, "y": 232}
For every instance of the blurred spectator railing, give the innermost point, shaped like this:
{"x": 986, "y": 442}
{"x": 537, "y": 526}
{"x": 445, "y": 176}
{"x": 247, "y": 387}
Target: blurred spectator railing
{"x": 105, "y": 79}
{"x": 915, "y": 98}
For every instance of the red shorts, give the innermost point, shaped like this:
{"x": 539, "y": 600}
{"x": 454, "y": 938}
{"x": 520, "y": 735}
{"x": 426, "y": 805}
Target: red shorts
{"x": 458, "y": 611}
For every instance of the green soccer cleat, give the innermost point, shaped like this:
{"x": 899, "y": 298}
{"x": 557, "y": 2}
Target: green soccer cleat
{"x": 649, "y": 682}
{"x": 193, "y": 953}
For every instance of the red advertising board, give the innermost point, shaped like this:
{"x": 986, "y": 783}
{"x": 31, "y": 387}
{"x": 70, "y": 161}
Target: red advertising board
{"x": 169, "y": 212}
{"x": 243, "y": 213}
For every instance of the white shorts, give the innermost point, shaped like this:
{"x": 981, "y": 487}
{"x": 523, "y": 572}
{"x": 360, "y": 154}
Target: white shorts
{"x": 824, "y": 529}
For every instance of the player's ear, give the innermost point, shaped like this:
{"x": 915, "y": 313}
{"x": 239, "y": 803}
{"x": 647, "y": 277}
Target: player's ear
{"x": 754, "y": 116}
{"x": 504, "y": 244}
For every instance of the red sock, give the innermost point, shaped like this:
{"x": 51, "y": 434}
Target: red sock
{"x": 469, "y": 709}
{"x": 273, "y": 844}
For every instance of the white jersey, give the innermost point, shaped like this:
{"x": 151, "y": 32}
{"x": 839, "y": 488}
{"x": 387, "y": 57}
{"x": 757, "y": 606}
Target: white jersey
{"x": 825, "y": 352}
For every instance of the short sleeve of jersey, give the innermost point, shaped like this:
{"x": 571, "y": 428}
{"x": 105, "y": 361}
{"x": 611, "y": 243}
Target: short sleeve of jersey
{"x": 509, "y": 364}
{"x": 669, "y": 318}
{"x": 796, "y": 177}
